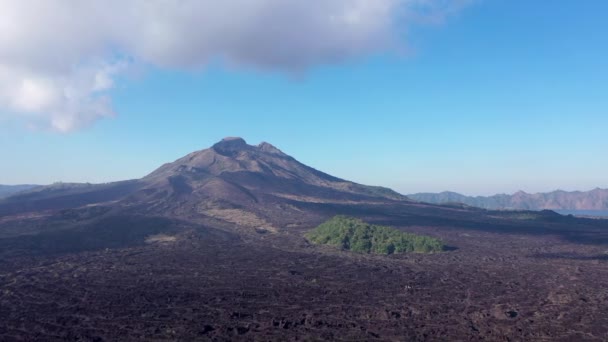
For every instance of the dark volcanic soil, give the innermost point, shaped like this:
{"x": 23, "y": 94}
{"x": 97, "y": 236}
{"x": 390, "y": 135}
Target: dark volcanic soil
{"x": 205, "y": 284}
{"x": 211, "y": 247}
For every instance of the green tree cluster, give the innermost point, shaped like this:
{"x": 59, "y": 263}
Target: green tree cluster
{"x": 358, "y": 236}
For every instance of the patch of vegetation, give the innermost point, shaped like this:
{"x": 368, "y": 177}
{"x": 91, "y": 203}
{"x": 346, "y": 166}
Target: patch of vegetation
{"x": 358, "y": 236}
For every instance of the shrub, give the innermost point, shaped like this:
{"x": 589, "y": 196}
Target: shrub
{"x": 355, "y": 235}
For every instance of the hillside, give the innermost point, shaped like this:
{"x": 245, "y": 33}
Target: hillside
{"x": 7, "y": 190}
{"x": 596, "y": 199}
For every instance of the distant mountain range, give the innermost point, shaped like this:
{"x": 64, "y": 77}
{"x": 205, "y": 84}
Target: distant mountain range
{"x": 596, "y": 199}
{"x": 7, "y": 190}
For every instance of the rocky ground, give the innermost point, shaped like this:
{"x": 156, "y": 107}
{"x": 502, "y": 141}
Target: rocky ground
{"x": 211, "y": 247}
{"x": 198, "y": 283}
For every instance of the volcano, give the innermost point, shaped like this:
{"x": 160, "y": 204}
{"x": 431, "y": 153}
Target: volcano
{"x": 214, "y": 247}
{"x": 253, "y": 173}
{"x": 230, "y": 179}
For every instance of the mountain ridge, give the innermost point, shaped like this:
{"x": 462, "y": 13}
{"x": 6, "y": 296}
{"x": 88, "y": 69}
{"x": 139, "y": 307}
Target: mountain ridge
{"x": 595, "y": 199}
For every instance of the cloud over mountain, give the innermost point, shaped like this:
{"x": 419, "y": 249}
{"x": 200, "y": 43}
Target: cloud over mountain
{"x": 59, "y": 58}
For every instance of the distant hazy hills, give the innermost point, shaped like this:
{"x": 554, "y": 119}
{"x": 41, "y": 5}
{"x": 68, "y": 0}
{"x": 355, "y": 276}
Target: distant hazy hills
{"x": 7, "y": 190}
{"x": 596, "y": 199}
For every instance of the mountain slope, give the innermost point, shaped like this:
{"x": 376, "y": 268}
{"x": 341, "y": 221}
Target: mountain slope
{"x": 233, "y": 157}
{"x": 230, "y": 180}
{"x": 247, "y": 185}
{"x": 7, "y": 190}
{"x": 262, "y": 167}
{"x": 65, "y": 195}
{"x": 596, "y": 199}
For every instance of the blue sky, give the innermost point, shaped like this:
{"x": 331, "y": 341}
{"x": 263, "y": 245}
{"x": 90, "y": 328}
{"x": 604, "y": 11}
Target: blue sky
{"x": 501, "y": 96}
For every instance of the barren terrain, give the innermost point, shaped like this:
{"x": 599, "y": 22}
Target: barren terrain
{"x": 199, "y": 283}
{"x": 212, "y": 247}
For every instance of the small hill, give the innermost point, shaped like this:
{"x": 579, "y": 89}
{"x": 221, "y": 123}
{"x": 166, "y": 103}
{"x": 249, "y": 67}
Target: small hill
{"x": 358, "y": 236}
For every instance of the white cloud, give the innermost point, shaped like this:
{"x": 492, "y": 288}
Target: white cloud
{"x": 64, "y": 101}
{"x": 58, "y": 58}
